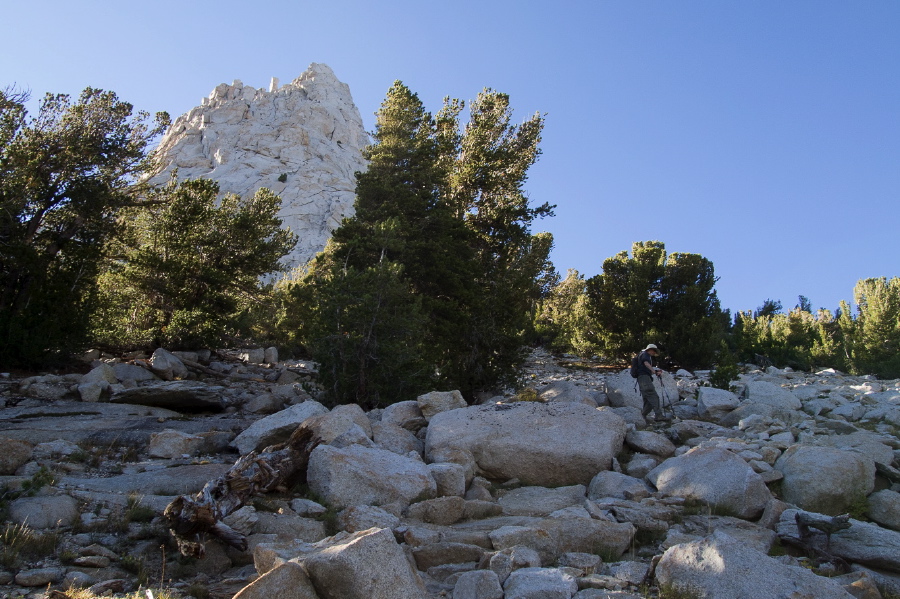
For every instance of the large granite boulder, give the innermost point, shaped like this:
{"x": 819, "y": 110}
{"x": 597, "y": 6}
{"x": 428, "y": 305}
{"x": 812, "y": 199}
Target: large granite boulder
{"x": 540, "y": 583}
{"x": 721, "y": 567}
{"x": 358, "y": 475}
{"x": 364, "y": 565}
{"x": 286, "y": 581}
{"x": 825, "y": 479}
{"x": 167, "y": 366}
{"x": 540, "y": 501}
{"x": 547, "y": 445}
{"x": 772, "y": 394}
{"x": 716, "y": 477}
{"x": 884, "y": 508}
{"x": 277, "y": 427}
{"x": 439, "y": 401}
{"x": 713, "y": 404}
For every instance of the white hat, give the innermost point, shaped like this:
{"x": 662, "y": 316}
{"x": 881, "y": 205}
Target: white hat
{"x": 651, "y": 346}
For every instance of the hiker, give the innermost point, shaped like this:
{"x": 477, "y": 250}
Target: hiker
{"x": 645, "y": 372}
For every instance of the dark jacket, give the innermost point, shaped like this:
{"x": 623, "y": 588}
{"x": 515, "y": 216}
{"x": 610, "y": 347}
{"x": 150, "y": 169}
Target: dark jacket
{"x": 642, "y": 368}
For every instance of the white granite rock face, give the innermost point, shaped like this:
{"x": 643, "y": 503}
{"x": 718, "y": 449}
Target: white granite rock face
{"x": 302, "y": 141}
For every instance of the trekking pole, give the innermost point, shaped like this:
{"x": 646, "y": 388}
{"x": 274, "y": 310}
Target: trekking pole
{"x": 665, "y": 397}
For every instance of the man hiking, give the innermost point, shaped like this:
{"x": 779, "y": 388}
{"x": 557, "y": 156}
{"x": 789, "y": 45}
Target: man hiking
{"x": 645, "y": 372}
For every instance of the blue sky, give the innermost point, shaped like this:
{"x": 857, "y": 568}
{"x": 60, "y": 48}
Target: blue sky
{"x": 763, "y": 135}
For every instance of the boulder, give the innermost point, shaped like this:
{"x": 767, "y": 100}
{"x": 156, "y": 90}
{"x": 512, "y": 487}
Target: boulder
{"x": 286, "y": 581}
{"x": 541, "y": 501}
{"x": 716, "y": 477}
{"x": 363, "y": 565}
{"x": 339, "y": 420}
{"x": 14, "y": 455}
{"x": 45, "y": 511}
{"x": 478, "y": 584}
{"x": 617, "y": 485}
{"x": 132, "y": 372}
{"x": 720, "y": 567}
{"x": 551, "y": 537}
{"x": 442, "y": 511}
{"x": 713, "y": 403}
{"x": 649, "y": 442}
{"x": 567, "y": 391}
{"x": 270, "y": 355}
{"x": 850, "y": 476}
{"x": 450, "y": 479}
{"x": 405, "y": 414}
{"x": 540, "y": 583}
{"x": 439, "y": 401}
{"x": 359, "y": 475}
{"x": 392, "y": 437}
{"x": 174, "y": 395}
{"x": 101, "y": 373}
{"x": 446, "y": 552}
{"x": 772, "y": 394}
{"x": 167, "y": 366}
{"x": 174, "y": 444}
{"x": 364, "y": 517}
{"x": 884, "y": 508}
{"x": 547, "y": 445}
{"x": 863, "y": 543}
{"x": 277, "y": 427}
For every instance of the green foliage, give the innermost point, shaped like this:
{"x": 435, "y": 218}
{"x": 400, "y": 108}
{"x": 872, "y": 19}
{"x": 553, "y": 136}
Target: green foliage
{"x": 19, "y": 542}
{"x": 653, "y": 297}
{"x": 434, "y": 281}
{"x": 562, "y": 322}
{"x": 865, "y": 343}
{"x": 189, "y": 266}
{"x": 65, "y": 176}
{"x": 726, "y": 369}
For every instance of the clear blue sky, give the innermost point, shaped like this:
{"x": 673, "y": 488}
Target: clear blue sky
{"x": 763, "y": 135}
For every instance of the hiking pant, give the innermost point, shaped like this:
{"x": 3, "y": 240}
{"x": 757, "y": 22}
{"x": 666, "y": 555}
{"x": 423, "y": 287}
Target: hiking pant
{"x": 651, "y": 399}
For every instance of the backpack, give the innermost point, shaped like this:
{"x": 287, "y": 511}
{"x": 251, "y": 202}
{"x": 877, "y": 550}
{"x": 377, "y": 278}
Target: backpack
{"x": 634, "y": 365}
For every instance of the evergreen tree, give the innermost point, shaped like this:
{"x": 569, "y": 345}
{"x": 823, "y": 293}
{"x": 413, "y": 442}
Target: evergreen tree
{"x": 445, "y": 209}
{"x": 189, "y": 266}
{"x": 651, "y": 297}
{"x": 65, "y": 175}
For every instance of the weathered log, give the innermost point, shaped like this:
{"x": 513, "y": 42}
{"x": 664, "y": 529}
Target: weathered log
{"x": 192, "y": 519}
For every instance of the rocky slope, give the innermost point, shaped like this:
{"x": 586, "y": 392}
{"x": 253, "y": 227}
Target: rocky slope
{"x": 571, "y": 494}
{"x": 303, "y": 141}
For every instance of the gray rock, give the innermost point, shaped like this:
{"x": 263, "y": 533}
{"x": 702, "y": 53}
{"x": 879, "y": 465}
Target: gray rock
{"x": 884, "y": 508}
{"x": 716, "y": 477}
{"x": 622, "y": 391}
{"x": 440, "y": 401}
{"x": 713, "y": 403}
{"x": 720, "y": 567}
{"x": 540, "y": 583}
{"x": 264, "y": 403}
{"x": 364, "y": 517}
{"x": 405, "y": 414}
{"x": 365, "y": 476}
{"x": 551, "y": 537}
{"x": 15, "y": 454}
{"x": 167, "y": 365}
{"x": 450, "y": 479}
{"x": 548, "y": 445}
{"x": 567, "y": 391}
{"x": 541, "y": 501}
{"x": 286, "y": 581}
{"x": 173, "y": 444}
{"x": 338, "y": 422}
{"x": 102, "y": 373}
{"x": 443, "y": 511}
{"x": 392, "y": 437}
{"x": 649, "y": 442}
{"x": 446, "y": 552}
{"x": 270, "y": 355}
{"x": 772, "y": 394}
{"x": 851, "y": 476}
{"x": 39, "y": 577}
{"x": 616, "y": 484}
{"x": 131, "y": 372}
{"x": 363, "y": 565}
{"x": 505, "y": 561}
{"x": 478, "y": 584}
{"x": 277, "y": 427}
{"x": 46, "y": 511}
{"x": 178, "y": 480}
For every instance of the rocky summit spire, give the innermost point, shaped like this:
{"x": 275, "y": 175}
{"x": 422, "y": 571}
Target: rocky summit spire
{"x": 302, "y": 140}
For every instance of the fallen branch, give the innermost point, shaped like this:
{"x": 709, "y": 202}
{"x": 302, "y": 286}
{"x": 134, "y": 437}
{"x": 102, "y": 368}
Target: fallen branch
{"x": 191, "y": 519}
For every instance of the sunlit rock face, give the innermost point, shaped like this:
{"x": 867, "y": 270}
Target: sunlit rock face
{"x": 303, "y": 141}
